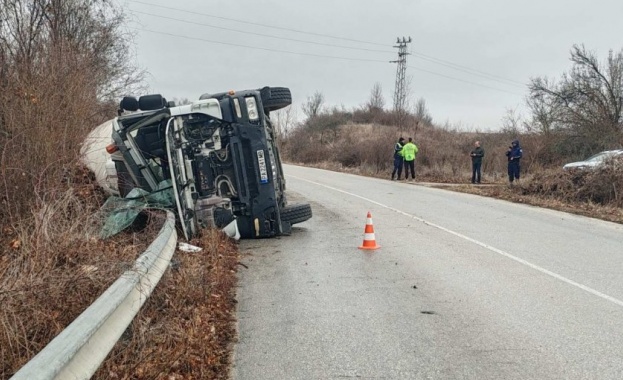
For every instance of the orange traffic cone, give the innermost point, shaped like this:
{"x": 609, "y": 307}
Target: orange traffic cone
{"x": 369, "y": 241}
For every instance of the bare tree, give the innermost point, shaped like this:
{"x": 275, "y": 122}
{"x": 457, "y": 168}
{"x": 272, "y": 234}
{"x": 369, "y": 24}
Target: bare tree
{"x": 313, "y": 106}
{"x": 512, "y": 123}
{"x": 376, "y": 103}
{"x": 283, "y": 121}
{"x": 586, "y": 104}
{"x": 63, "y": 64}
{"x": 546, "y": 113}
{"x": 421, "y": 112}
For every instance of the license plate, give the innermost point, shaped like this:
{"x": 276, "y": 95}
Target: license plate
{"x": 262, "y": 163}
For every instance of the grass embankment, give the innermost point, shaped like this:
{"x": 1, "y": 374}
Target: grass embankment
{"x": 590, "y": 193}
{"x": 187, "y": 327}
{"x": 54, "y": 267}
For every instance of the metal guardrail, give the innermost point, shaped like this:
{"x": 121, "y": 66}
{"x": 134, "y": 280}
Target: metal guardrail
{"x": 79, "y": 350}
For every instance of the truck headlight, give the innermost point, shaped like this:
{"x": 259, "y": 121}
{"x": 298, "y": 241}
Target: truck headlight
{"x": 252, "y": 108}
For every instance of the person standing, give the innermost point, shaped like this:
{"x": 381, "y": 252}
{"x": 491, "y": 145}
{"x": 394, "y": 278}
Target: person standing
{"x": 409, "y": 151}
{"x": 398, "y": 158}
{"x": 514, "y": 154}
{"x": 477, "y": 154}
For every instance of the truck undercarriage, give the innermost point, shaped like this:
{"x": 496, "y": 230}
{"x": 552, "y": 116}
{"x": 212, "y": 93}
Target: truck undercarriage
{"x": 218, "y": 155}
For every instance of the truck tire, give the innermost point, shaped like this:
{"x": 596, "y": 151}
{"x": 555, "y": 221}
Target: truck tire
{"x": 151, "y": 102}
{"x": 275, "y": 98}
{"x": 296, "y": 213}
{"x": 129, "y": 103}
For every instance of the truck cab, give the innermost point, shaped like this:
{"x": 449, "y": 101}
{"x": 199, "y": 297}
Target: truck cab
{"x": 218, "y": 155}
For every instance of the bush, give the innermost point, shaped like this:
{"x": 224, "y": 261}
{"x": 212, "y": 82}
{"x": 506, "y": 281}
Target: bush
{"x": 58, "y": 81}
{"x": 61, "y": 65}
{"x": 603, "y": 186}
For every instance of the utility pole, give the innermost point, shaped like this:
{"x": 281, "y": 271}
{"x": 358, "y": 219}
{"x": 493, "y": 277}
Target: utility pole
{"x": 400, "y": 88}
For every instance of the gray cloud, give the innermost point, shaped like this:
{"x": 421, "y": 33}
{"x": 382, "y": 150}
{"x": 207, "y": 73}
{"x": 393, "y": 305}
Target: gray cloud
{"x": 513, "y": 40}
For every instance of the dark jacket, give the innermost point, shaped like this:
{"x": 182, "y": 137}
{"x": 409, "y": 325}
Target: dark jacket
{"x": 477, "y": 155}
{"x": 398, "y": 149}
{"x": 514, "y": 152}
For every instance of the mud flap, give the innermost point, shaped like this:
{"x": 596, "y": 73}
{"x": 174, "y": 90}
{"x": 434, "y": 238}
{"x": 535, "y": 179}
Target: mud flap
{"x": 286, "y": 228}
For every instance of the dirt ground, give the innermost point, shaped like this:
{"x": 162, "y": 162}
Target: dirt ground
{"x": 517, "y": 194}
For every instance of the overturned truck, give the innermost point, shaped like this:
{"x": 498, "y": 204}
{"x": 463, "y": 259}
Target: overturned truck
{"x": 218, "y": 155}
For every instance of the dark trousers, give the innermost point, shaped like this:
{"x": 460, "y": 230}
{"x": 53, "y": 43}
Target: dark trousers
{"x": 397, "y": 167}
{"x": 410, "y": 165}
{"x": 476, "y": 171}
{"x": 513, "y": 170}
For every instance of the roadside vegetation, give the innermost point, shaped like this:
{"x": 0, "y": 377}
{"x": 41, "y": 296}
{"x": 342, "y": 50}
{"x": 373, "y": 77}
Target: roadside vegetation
{"x": 61, "y": 64}
{"x": 187, "y": 327}
{"x": 570, "y": 119}
{"x": 63, "y": 67}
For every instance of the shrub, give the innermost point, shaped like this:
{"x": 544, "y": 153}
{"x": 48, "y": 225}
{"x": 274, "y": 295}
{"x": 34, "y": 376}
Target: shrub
{"x": 602, "y": 186}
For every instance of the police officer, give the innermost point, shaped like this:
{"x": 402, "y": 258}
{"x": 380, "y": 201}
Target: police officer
{"x": 514, "y": 154}
{"x": 398, "y": 158}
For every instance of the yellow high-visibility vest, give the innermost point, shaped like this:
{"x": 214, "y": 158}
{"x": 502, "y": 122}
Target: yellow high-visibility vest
{"x": 409, "y": 151}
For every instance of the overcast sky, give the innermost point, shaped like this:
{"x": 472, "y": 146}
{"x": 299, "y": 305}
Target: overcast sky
{"x": 508, "y": 42}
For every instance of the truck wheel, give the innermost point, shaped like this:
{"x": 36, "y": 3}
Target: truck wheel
{"x": 151, "y": 102}
{"x": 274, "y": 98}
{"x": 296, "y": 213}
{"x": 129, "y": 103}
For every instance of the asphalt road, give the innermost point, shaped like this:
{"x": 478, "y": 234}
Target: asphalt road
{"x": 463, "y": 287}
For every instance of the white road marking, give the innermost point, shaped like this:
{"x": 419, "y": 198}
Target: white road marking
{"x": 484, "y": 245}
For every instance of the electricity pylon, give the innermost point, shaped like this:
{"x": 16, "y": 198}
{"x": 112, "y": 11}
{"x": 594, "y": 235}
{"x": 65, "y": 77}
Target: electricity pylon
{"x": 400, "y": 88}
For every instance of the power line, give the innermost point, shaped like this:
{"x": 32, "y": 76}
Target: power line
{"x": 462, "y": 80}
{"x": 467, "y": 70}
{"x": 260, "y": 48}
{"x": 262, "y": 35}
{"x": 258, "y": 24}
{"x": 449, "y": 64}
{"x": 315, "y": 55}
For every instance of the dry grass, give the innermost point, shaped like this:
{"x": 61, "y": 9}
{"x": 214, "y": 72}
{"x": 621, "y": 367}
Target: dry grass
{"x": 593, "y": 193}
{"x": 597, "y": 194}
{"x": 602, "y": 186}
{"x": 368, "y": 148}
{"x": 187, "y": 327}
{"x": 520, "y": 194}
{"x": 52, "y": 267}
